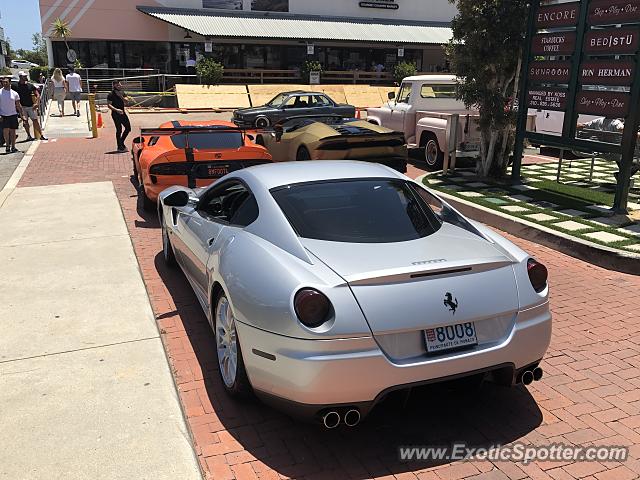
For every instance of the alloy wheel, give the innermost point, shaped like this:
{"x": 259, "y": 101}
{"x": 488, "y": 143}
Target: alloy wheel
{"x": 226, "y": 342}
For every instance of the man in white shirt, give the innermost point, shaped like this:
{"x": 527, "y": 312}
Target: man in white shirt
{"x": 9, "y": 108}
{"x": 74, "y": 87}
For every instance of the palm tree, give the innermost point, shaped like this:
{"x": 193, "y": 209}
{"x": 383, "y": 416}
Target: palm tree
{"x": 60, "y": 29}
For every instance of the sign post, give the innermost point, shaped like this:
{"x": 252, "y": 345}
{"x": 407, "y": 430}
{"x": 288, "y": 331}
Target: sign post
{"x": 583, "y": 80}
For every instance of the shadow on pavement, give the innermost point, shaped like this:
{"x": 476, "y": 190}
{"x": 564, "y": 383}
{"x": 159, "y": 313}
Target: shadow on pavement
{"x": 433, "y": 415}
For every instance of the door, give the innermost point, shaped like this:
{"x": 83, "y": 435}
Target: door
{"x": 399, "y": 108}
{"x": 226, "y": 206}
{"x": 297, "y": 105}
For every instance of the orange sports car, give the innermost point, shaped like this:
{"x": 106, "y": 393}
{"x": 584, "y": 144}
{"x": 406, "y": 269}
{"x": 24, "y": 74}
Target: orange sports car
{"x": 192, "y": 154}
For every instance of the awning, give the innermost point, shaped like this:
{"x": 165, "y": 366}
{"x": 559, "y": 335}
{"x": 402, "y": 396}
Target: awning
{"x": 268, "y": 25}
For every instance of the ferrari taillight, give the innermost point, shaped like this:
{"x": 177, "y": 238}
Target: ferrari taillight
{"x": 312, "y": 307}
{"x": 537, "y": 275}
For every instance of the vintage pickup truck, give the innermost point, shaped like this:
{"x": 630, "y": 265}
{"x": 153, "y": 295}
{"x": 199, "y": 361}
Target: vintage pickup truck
{"x": 427, "y": 111}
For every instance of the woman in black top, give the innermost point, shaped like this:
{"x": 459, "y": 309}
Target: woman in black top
{"x": 116, "y": 102}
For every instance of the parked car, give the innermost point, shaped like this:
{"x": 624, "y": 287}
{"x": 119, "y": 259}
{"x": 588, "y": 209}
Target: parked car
{"x": 22, "y": 64}
{"x": 332, "y": 137}
{"x": 329, "y": 284}
{"x": 192, "y": 154}
{"x": 427, "y": 111}
{"x": 290, "y": 104}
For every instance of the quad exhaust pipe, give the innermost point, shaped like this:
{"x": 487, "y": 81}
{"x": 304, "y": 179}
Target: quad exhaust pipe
{"x": 332, "y": 418}
{"x": 528, "y": 376}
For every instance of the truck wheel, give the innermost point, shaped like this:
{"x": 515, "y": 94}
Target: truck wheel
{"x": 432, "y": 153}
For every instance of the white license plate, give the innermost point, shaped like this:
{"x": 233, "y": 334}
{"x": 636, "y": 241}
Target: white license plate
{"x": 450, "y": 337}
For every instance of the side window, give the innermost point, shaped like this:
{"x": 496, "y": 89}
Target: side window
{"x": 289, "y": 102}
{"x": 320, "y": 101}
{"x": 404, "y": 93}
{"x": 302, "y": 101}
{"x": 230, "y": 203}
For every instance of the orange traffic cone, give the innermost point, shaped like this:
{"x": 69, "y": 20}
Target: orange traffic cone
{"x": 100, "y": 125}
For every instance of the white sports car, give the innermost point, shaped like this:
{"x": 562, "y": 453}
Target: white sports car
{"x": 329, "y": 284}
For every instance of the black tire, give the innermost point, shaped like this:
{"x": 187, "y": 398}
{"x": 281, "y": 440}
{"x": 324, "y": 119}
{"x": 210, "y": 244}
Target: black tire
{"x": 262, "y": 122}
{"x": 143, "y": 201}
{"x": 241, "y": 387}
{"x": 260, "y": 141}
{"x": 433, "y": 155}
{"x": 168, "y": 254}
{"x": 303, "y": 154}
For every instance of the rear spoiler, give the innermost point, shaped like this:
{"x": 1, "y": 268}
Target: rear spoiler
{"x": 189, "y": 129}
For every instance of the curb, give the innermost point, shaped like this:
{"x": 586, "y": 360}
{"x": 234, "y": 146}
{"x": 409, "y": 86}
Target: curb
{"x": 605, "y": 257}
{"x": 17, "y": 174}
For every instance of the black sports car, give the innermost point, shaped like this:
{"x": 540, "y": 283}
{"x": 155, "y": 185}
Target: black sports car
{"x": 290, "y": 104}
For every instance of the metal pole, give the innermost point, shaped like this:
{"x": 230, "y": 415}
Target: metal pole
{"x": 522, "y": 94}
{"x": 92, "y": 110}
{"x": 629, "y": 138}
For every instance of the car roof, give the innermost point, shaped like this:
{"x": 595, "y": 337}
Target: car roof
{"x": 285, "y": 173}
{"x": 432, "y": 78}
{"x": 302, "y": 92}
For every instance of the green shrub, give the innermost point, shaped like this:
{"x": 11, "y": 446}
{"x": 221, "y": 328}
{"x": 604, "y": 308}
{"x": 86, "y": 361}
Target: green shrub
{"x": 308, "y": 67}
{"x": 403, "y": 70}
{"x": 210, "y": 71}
{"x": 5, "y": 71}
{"x": 34, "y": 73}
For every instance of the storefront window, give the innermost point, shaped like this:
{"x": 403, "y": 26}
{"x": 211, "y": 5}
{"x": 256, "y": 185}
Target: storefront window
{"x": 223, "y": 4}
{"x": 270, "y": 5}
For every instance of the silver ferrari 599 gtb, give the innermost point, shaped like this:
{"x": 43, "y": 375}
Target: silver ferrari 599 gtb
{"x": 330, "y": 284}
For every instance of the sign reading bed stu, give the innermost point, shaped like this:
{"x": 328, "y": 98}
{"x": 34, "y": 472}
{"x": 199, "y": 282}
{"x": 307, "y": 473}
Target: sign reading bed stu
{"x": 587, "y": 61}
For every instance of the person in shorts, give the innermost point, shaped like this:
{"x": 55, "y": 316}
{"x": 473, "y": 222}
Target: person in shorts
{"x": 29, "y": 99}
{"x": 9, "y": 109}
{"x": 74, "y": 87}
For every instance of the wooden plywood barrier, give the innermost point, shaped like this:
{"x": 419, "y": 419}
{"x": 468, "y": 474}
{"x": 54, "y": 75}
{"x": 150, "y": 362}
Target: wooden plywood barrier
{"x": 362, "y": 96}
{"x": 335, "y": 92}
{"x": 212, "y": 96}
{"x": 261, "y": 94}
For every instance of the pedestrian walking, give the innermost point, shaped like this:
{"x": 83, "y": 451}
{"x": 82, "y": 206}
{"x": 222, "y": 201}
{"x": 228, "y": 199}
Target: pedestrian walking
{"x": 29, "y": 99}
{"x": 59, "y": 89}
{"x": 74, "y": 87}
{"x": 9, "y": 108}
{"x": 116, "y": 102}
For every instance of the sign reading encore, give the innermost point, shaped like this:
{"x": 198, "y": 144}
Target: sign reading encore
{"x": 564, "y": 15}
{"x": 612, "y": 41}
{"x": 605, "y": 104}
{"x": 607, "y": 72}
{"x": 610, "y": 12}
{"x": 548, "y": 98}
{"x": 550, "y": 71}
{"x": 563, "y": 43}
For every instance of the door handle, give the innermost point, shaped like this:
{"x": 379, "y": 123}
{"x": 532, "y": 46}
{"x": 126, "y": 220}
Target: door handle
{"x": 211, "y": 240}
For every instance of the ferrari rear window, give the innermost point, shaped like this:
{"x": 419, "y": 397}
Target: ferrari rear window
{"x": 208, "y": 140}
{"x": 356, "y": 211}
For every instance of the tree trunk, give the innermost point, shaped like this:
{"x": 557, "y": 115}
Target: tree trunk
{"x": 488, "y": 161}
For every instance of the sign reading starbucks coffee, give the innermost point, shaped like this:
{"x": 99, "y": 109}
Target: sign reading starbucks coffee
{"x": 562, "y": 43}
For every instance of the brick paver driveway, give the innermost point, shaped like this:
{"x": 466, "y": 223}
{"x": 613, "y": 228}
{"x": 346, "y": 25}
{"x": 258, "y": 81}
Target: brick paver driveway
{"x": 590, "y": 393}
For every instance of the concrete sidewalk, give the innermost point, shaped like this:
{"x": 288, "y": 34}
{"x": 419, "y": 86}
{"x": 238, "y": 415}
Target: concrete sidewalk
{"x": 85, "y": 387}
{"x": 69, "y": 125}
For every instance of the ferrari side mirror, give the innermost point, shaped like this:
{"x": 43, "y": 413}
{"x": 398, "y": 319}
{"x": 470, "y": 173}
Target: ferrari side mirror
{"x": 279, "y": 131}
{"x": 138, "y": 140}
{"x": 177, "y": 199}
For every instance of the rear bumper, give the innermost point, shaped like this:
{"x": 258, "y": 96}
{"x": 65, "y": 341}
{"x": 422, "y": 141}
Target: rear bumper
{"x": 312, "y": 375}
